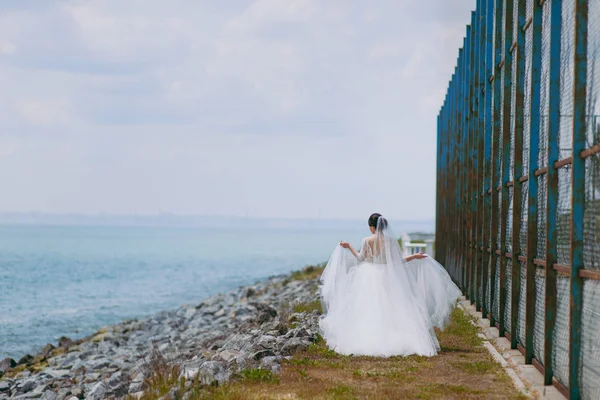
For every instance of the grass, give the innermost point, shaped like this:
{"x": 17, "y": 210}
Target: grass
{"x": 462, "y": 370}
{"x": 308, "y": 307}
{"x": 307, "y": 273}
{"x": 259, "y": 376}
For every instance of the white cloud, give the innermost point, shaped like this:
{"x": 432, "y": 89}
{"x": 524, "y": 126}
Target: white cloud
{"x": 278, "y": 107}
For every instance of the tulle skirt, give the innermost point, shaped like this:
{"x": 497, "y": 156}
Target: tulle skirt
{"x": 433, "y": 288}
{"x": 376, "y": 314}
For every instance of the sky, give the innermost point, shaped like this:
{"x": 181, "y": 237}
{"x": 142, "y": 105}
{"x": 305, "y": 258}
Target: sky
{"x": 262, "y": 108}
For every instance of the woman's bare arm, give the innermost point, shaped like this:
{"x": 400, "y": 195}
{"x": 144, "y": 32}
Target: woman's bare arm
{"x": 347, "y": 245}
{"x": 417, "y": 256}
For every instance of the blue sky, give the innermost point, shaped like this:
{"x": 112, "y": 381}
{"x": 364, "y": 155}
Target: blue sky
{"x": 266, "y": 108}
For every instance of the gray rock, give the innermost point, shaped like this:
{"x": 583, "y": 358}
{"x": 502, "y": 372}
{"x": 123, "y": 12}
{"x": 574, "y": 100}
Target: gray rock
{"x": 77, "y": 392}
{"x": 293, "y": 346}
{"x": 212, "y": 371}
{"x": 77, "y": 366}
{"x": 227, "y": 355}
{"x": 42, "y": 388}
{"x": 65, "y": 342}
{"x": 98, "y": 391}
{"x": 47, "y": 350}
{"x": 92, "y": 377}
{"x": 220, "y": 313}
{"x": 99, "y": 364}
{"x": 240, "y": 342}
{"x": 266, "y": 313}
{"x": 262, "y": 354}
{"x": 63, "y": 393}
{"x": 135, "y": 387}
{"x": 271, "y": 363}
{"x": 70, "y": 359}
{"x": 26, "y": 359}
{"x": 7, "y": 364}
{"x": 267, "y": 341}
{"x": 58, "y": 373}
{"x": 49, "y": 395}
{"x": 4, "y": 387}
{"x": 28, "y": 385}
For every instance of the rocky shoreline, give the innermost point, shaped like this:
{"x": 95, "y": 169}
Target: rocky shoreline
{"x": 250, "y": 327}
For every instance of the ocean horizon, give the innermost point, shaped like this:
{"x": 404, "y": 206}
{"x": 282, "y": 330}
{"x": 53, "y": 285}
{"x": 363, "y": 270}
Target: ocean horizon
{"x": 72, "y": 278}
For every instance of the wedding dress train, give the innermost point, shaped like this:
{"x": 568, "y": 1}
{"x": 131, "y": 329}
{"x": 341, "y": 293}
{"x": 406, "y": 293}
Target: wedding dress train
{"x": 380, "y": 305}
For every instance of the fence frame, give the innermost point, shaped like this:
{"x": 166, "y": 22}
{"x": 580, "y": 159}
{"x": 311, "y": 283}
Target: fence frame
{"x": 475, "y": 119}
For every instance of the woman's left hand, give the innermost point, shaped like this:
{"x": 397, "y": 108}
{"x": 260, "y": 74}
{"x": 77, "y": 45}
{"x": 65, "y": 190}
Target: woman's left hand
{"x": 345, "y": 245}
{"x": 419, "y": 256}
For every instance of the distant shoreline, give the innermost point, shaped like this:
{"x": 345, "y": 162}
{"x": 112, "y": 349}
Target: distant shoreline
{"x": 198, "y": 221}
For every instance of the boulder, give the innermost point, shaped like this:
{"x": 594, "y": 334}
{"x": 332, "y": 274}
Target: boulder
{"x": 47, "y": 350}
{"x": 98, "y": 391}
{"x": 294, "y": 345}
{"x": 211, "y": 372}
{"x": 49, "y": 395}
{"x": 64, "y": 342}
{"x": 26, "y": 359}
{"x": 7, "y": 364}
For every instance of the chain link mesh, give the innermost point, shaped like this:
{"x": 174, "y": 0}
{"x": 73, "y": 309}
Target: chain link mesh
{"x": 560, "y": 351}
{"x": 507, "y": 302}
{"x": 522, "y": 304}
{"x": 590, "y": 340}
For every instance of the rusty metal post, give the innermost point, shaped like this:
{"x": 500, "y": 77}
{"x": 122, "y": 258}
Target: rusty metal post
{"x": 472, "y": 119}
{"x": 480, "y": 136}
{"x": 487, "y": 156}
{"x": 507, "y": 107}
{"x": 552, "y": 179}
{"x": 519, "y": 59}
{"x": 497, "y": 128}
{"x": 534, "y": 149}
{"x": 475, "y": 158}
{"x": 578, "y": 193}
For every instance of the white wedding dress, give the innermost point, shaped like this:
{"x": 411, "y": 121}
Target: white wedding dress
{"x": 380, "y": 305}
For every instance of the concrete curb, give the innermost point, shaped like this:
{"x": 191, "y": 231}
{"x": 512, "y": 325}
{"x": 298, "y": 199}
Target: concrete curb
{"x": 526, "y": 378}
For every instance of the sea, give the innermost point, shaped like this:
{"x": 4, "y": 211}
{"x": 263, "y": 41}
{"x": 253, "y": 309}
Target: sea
{"x": 70, "y": 280}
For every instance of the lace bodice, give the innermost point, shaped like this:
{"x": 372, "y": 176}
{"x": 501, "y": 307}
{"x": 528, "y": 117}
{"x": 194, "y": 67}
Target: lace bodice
{"x": 370, "y": 252}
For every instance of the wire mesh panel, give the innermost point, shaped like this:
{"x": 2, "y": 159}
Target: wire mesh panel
{"x": 524, "y": 212}
{"x": 541, "y": 219}
{"x": 509, "y": 222}
{"x": 563, "y": 216}
{"x": 539, "y": 316}
{"x": 590, "y": 341}
{"x": 507, "y": 300}
{"x": 566, "y": 81}
{"x": 591, "y": 222}
{"x": 527, "y": 102}
{"x": 592, "y": 163}
{"x": 496, "y": 300}
{"x": 522, "y": 304}
{"x": 560, "y": 351}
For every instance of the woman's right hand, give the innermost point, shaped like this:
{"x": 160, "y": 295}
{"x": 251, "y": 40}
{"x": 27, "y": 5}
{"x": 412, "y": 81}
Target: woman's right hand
{"x": 345, "y": 245}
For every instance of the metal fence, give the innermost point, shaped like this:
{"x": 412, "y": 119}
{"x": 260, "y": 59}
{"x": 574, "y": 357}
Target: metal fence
{"x": 518, "y": 205}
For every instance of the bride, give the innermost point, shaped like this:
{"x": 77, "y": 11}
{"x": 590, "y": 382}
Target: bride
{"x": 378, "y": 303}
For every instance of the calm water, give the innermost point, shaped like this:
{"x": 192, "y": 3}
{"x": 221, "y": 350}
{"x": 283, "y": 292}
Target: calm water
{"x": 71, "y": 281}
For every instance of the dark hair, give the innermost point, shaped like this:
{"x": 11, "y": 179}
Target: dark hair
{"x": 374, "y": 218}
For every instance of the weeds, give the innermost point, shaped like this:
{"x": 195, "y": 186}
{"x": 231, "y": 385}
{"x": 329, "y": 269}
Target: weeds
{"x": 309, "y": 307}
{"x": 259, "y": 375}
{"x": 161, "y": 375}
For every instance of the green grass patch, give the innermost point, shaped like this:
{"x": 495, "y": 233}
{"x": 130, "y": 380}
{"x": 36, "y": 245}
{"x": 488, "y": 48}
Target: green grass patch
{"x": 477, "y": 367}
{"x": 341, "y": 392}
{"x": 306, "y": 273}
{"x": 258, "y": 375}
{"x": 308, "y": 307}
